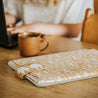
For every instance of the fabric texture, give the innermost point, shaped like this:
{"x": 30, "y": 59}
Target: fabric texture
{"x": 68, "y": 11}
{"x": 58, "y": 68}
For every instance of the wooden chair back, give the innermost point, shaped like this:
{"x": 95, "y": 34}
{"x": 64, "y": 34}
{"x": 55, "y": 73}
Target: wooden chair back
{"x": 90, "y": 27}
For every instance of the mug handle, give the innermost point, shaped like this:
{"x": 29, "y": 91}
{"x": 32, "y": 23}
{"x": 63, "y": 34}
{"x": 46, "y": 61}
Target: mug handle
{"x": 43, "y": 38}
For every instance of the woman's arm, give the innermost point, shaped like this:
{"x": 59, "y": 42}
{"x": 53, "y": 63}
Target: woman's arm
{"x": 10, "y": 19}
{"x": 69, "y": 30}
{"x": 10, "y": 8}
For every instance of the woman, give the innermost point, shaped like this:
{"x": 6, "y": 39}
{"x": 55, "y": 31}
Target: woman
{"x": 56, "y": 17}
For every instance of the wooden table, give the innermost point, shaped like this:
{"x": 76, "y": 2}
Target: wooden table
{"x": 12, "y": 87}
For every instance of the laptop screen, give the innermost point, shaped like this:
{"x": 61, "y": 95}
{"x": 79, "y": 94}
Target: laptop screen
{"x": 3, "y": 32}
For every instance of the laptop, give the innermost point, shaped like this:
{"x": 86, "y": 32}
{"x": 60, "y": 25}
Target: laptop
{"x": 6, "y": 40}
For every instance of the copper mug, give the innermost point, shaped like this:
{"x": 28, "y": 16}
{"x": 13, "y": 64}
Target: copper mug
{"x": 29, "y": 43}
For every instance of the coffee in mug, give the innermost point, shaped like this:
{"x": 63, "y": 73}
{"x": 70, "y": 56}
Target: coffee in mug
{"x": 29, "y": 43}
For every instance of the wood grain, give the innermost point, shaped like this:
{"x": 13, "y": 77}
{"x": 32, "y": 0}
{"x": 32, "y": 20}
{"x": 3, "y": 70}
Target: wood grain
{"x": 96, "y": 6}
{"x": 12, "y": 87}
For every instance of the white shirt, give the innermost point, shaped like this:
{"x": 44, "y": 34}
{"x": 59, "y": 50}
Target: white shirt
{"x": 68, "y": 11}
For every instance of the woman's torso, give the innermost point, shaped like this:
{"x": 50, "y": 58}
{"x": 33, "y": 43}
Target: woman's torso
{"x": 68, "y": 11}
{"x": 40, "y": 13}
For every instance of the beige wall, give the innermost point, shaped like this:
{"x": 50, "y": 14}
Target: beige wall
{"x": 96, "y": 5}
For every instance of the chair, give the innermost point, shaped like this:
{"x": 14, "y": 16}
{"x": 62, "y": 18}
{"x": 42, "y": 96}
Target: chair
{"x": 90, "y": 27}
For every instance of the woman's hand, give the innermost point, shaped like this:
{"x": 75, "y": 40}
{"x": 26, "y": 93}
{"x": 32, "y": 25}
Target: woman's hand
{"x": 10, "y": 19}
{"x": 69, "y": 30}
{"x": 47, "y": 29}
{"x": 20, "y": 29}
